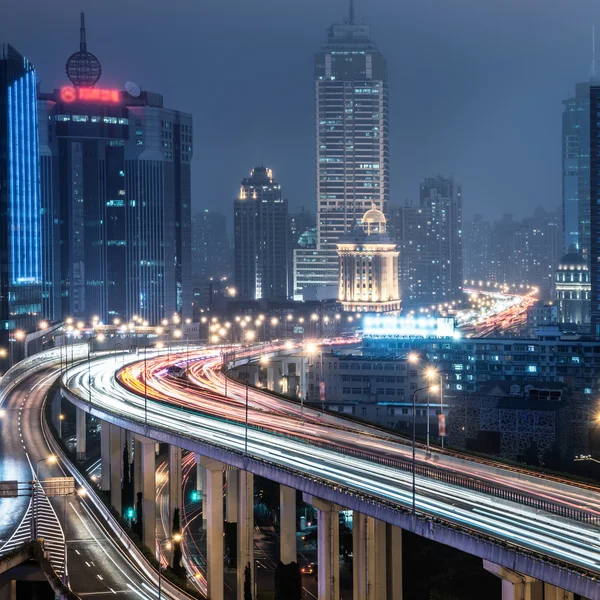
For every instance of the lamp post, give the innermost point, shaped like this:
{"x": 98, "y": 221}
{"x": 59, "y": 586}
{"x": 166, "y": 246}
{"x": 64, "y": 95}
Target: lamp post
{"x": 36, "y": 483}
{"x": 414, "y": 438}
{"x": 146, "y": 385}
{"x": 100, "y": 338}
{"x": 431, "y": 373}
{"x": 167, "y": 543}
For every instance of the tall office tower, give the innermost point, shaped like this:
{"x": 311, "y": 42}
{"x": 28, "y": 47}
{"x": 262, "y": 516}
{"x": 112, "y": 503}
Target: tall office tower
{"x": 352, "y": 147}
{"x": 408, "y": 227}
{"x": 261, "y": 238}
{"x": 115, "y": 177}
{"x": 576, "y": 165}
{"x": 594, "y": 255}
{"x": 20, "y": 229}
{"x": 211, "y": 252}
{"x": 441, "y": 199}
{"x": 476, "y": 249}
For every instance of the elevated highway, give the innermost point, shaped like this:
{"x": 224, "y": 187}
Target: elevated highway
{"x": 543, "y": 528}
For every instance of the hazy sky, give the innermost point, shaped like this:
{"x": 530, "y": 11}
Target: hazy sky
{"x": 475, "y": 85}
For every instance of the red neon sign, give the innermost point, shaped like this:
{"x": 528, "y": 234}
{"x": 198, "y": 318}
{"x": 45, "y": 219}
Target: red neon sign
{"x": 71, "y": 94}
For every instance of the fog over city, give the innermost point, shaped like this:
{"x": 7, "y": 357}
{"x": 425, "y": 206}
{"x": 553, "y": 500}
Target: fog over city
{"x": 476, "y": 87}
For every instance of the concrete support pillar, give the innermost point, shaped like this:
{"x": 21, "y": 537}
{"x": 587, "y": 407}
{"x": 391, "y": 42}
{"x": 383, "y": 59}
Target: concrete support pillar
{"x": 551, "y": 592}
{"x": 359, "y": 532}
{"x": 516, "y": 586}
{"x": 232, "y": 493}
{"x": 273, "y": 377}
{"x": 199, "y": 474}
{"x": 105, "y": 455}
{"x": 175, "y": 483}
{"x": 393, "y": 563}
{"x": 245, "y": 530}
{"x": 375, "y": 560}
{"x": 57, "y": 413}
{"x": 213, "y": 509}
{"x": 148, "y": 489}
{"x": 377, "y": 557}
{"x": 116, "y": 468}
{"x": 137, "y": 468}
{"x": 8, "y": 590}
{"x": 287, "y": 525}
{"x": 328, "y": 548}
{"x": 80, "y": 433}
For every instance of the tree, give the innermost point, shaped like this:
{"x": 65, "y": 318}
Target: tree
{"x": 127, "y": 490}
{"x": 288, "y": 582}
{"x": 177, "y": 568}
{"x": 247, "y": 583}
{"x": 139, "y": 525}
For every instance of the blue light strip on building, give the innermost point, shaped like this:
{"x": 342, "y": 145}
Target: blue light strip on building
{"x": 24, "y": 182}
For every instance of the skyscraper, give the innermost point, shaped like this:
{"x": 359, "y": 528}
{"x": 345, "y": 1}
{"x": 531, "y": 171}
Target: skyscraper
{"x": 261, "y": 238}
{"x": 594, "y": 255}
{"x": 116, "y": 196}
{"x": 20, "y": 229}
{"x": 211, "y": 252}
{"x": 576, "y": 164}
{"x": 441, "y": 199}
{"x": 576, "y": 168}
{"x": 352, "y": 146}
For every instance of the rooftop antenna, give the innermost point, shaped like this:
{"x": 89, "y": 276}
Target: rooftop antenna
{"x": 83, "y": 68}
{"x": 82, "y": 42}
{"x": 351, "y": 13}
{"x": 593, "y": 66}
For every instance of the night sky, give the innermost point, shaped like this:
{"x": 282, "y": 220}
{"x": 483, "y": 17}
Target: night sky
{"x": 475, "y": 85}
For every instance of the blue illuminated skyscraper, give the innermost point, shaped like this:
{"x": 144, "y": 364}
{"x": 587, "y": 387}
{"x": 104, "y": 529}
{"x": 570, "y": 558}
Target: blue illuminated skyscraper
{"x": 20, "y": 243}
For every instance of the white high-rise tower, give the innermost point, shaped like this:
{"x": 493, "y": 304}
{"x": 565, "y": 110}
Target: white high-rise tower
{"x": 352, "y": 147}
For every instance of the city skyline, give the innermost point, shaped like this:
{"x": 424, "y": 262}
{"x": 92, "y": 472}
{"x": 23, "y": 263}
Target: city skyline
{"x": 442, "y": 132}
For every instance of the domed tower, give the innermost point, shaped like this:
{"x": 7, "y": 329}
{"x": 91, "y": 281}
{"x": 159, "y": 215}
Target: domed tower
{"x": 369, "y": 267}
{"x": 573, "y": 288}
{"x": 83, "y": 68}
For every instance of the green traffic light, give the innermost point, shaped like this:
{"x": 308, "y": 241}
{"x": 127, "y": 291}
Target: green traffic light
{"x": 195, "y": 496}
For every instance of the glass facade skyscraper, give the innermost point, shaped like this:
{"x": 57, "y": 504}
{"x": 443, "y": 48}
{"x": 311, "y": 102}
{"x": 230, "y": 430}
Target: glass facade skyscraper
{"x": 261, "y": 238}
{"x": 20, "y": 229}
{"x": 116, "y": 195}
{"x": 576, "y": 169}
{"x": 352, "y": 143}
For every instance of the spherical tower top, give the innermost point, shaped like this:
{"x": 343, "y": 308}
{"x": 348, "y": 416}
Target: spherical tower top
{"x": 83, "y": 68}
{"x": 375, "y": 221}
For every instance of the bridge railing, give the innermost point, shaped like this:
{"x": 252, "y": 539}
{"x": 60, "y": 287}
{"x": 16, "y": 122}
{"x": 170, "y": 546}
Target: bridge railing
{"x": 24, "y": 368}
{"x": 432, "y": 472}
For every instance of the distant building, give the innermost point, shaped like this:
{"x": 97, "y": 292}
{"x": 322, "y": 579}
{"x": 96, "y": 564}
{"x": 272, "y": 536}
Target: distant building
{"x": 541, "y": 314}
{"x": 20, "y": 206}
{"x": 430, "y": 238}
{"x": 211, "y": 251}
{"x": 576, "y": 168}
{"x": 369, "y": 267}
{"x": 261, "y": 238}
{"x": 594, "y": 260}
{"x": 116, "y": 199}
{"x": 515, "y": 252}
{"x": 477, "y": 249}
{"x": 573, "y": 288}
{"x": 352, "y": 144}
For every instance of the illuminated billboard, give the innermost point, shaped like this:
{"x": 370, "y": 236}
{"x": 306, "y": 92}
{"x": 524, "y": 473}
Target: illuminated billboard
{"x": 407, "y": 327}
{"x": 81, "y": 94}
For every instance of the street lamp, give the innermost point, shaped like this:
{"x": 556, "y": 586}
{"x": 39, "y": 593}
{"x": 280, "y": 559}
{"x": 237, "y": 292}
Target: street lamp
{"x": 167, "y": 542}
{"x": 100, "y": 338}
{"x": 431, "y": 374}
{"x": 36, "y": 483}
{"x": 146, "y": 385}
{"x": 414, "y": 440}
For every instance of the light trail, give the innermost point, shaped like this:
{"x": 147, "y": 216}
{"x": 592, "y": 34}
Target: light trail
{"x": 198, "y": 411}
